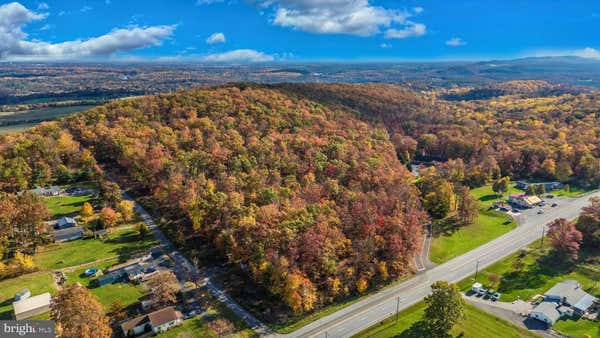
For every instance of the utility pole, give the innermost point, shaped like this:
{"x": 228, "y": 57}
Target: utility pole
{"x": 543, "y": 234}
{"x": 325, "y": 334}
{"x": 397, "y": 308}
{"x": 476, "y": 270}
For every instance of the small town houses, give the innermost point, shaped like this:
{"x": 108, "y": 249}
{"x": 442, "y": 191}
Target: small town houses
{"x": 155, "y": 322}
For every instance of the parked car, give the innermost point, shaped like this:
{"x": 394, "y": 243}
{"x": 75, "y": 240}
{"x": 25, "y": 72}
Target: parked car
{"x": 496, "y": 296}
{"x": 549, "y": 196}
{"x": 554, "y": 205}
{"x": 482, "y": 291}
{"x": 541, "y": 211}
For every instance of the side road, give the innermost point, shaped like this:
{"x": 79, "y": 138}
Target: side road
{"x": 186, "y": 270}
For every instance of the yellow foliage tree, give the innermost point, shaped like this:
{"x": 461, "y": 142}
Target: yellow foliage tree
{"x": 87, "y": 210}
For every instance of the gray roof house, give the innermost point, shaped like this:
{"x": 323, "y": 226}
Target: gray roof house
{"x": 50, "y": 191}
{"x": 157, "y": 321}
{"x": 68, "y": 234}
{"x": 65, "y": 222}
{"x": 546, "y": 312}
{"x": 570, "y": 292}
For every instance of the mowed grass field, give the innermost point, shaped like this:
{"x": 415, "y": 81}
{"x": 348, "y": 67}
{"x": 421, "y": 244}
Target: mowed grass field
{"x": 120, "y": 244}
{"x": 490, "y": 224}
{"x": 107, "y": 294}
{"x": 540, "y": 272}
{"x": 61, "y": 206}
{"x": 477, "y": 324}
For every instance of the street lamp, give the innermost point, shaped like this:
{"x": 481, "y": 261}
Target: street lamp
{"x": 543, "y": 234}
{"x": 476, "y": 270}
{"x": 397, "y": 308}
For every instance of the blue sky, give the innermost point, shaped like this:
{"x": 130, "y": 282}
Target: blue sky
{"x": 296, "y": 30}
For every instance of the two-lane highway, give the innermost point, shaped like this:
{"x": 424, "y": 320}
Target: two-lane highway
{"x": 375, "y": 308}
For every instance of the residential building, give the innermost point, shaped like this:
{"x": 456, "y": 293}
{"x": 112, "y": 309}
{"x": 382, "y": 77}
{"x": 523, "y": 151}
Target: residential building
{"x": 46, "y": 192}
{"x": 68, "y": 234}
{"x": 546, "y": 312}
{"x": 65, "y": 222}
{"x": 156, "y": 322}
{"x": 524, "y": 201}
{"x": 570, "y": 292}
{"x": 32, "y": 306}
{"x": 548, "y": 186}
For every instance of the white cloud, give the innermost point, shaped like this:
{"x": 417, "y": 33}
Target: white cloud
{"x": 418, "y": 10}
{"x": 385, "y": 45}
{"x": 207, "y": 2}
{"x": 15, "y": 46}
{"x": 86, "y": 9}
{"x": 587, "y": 52}
{"x": 43, "y": 6}
{"x": 411, "y": 30}
{"x": 353, "y": 17}
{"x": 216, "y": 38}
{"x": 239, "y": 56}
{"x": 456, "y": 42}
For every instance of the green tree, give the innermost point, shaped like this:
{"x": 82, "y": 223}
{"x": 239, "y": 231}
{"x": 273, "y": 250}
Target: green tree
{"x": 143, "y": 230}
{"x": 441, "y": 200}
{"x": 467, "y": 208}
{"x": 445, "y": 308}
{"x": 501, "y": 185}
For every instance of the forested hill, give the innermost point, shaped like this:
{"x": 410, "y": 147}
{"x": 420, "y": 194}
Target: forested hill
{"x": 530, "y": 130}
{"x": 313, "y": 202}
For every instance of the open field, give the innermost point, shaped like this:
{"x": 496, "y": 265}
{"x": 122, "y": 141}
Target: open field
{"x": 540, "y": 272}
{"x": 39, "y": 115}
{"x": 489, "y": 225}
{"x": 37, "y": 283}
{"x": 120, "y": 244}
{"x": 477, "y": 324}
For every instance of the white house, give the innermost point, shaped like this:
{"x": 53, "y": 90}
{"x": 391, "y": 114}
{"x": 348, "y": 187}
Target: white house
{"x": 546, "y": 312}
{"x": 157, "y": 321}
{"x": 32, "y": 306}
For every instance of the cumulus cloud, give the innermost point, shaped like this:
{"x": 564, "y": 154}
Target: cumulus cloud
{"x": 456, "y": 42}
{"x": 239, "y": 56}
{"x": 352, "y": 17}
{"x": 587, "y": 52}
{"x": 43, "y": 6}
{"x": 411, "y": 30}
{"x": 216, "y": 38}
{"x": 14, "y": 44}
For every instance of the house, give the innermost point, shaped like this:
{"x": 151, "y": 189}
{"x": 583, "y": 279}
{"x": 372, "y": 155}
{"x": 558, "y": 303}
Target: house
{"x": 133, "y": 272}
{"x": 548, "y": 186}
{"x": 33, "y": 306}
{"x": 68, "y": 234}
{"x": 546, "y": 312}
{"x": 109, "y": 278}
{"x": 46, "y": 192}
{"x": 157, "y": 321}
{"x": 65, "y": 222}
{"x": 23, "y": 294}
{"x": 524, "y": 201}
{"x": 570, "y": 293}
{"x": 475, "y": 288}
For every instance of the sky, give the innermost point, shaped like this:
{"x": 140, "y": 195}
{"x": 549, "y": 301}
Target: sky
{"x": 240, "y": 31}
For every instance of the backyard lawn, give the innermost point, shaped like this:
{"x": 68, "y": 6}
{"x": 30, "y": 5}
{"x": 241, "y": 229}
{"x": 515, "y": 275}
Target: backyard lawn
{"x": 120, "y": 244}
{"x": 37, "y": 283}
{"x": 539, "y": 273}
{"x": 127, "y": 293}
{"x": 489, "y": 225}
{"x": 477, "y": 324}
{"x": 61, "y": 206}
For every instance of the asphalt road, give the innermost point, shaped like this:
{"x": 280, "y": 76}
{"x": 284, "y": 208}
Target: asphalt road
{"x": 373, "y": 309}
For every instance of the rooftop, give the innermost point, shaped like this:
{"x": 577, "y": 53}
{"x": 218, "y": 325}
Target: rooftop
{"x": 573, "y": 293}
{"x": 549, "y": 309}
{"x": 32, "y": 303}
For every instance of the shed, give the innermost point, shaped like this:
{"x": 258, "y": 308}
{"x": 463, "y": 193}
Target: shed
{"x": 32, "y": 306}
